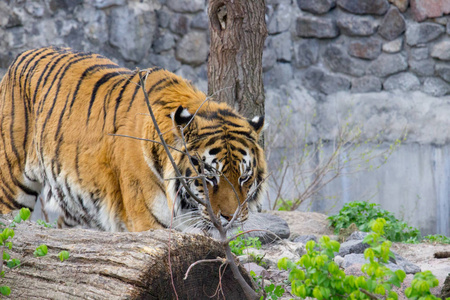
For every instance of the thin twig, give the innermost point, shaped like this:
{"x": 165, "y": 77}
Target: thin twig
{"x": 200, "y": 262}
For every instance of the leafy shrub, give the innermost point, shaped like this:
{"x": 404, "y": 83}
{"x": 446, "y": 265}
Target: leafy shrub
{"x": 273, "y": 292}
{"x": 437, "y": 238}
{"x": 239, "y": 244}
{"x": 361, "y": 213}
{"x": 316, "y": 275}
{"x": 6, "y": 237}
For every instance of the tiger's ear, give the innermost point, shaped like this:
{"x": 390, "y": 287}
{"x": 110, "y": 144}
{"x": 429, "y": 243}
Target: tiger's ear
{"x": 181, "y": 116}
{"x": 257, "y": 123}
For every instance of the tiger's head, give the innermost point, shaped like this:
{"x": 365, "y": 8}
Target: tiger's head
{"x": 225, "y": 145}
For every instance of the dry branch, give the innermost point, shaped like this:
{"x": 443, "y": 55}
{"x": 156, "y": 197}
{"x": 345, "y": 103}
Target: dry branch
{"x": 104, "y": 265}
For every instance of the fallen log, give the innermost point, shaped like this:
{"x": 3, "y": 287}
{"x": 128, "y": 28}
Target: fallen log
{"x": 104, "y": 265}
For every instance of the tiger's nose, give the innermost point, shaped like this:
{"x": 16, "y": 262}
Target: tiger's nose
{"x": 228, "y": 218}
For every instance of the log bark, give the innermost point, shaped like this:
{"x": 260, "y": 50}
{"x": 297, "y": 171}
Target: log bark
{"x": 104, "y": 265}
{"x": 238, "y": 31}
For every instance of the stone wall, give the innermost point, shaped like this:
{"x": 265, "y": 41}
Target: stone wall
{"x": 374, "y": 64}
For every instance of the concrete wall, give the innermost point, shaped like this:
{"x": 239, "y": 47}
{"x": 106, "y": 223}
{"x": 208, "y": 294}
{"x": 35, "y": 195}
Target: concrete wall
{"x": 378, "y": 65}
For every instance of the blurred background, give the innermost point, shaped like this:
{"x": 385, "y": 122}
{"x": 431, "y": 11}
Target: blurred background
{"x": 356, "y": 91}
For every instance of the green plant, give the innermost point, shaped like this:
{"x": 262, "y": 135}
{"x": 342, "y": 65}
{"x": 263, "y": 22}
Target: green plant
{"x": 317, "y": 275}
{"x": 6, "y": 244}
{"x": 285, "y": 205}
{"x": 45, "y": 224}
{"x": 437, "y": 238}
{"x": 272, "y": 291}
{"x": 239, "y": 244}
{"x": 362, "y": 212}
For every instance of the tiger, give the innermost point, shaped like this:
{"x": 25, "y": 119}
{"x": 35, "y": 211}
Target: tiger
{"x": 76, "y": 131}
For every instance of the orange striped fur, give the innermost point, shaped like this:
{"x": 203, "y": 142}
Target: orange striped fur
{"x": 58, "y": 109}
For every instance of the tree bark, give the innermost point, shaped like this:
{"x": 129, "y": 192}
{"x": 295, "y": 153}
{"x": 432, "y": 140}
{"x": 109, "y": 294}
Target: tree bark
{"x": 104, "y": 265}
{"x": 238, "y": 31}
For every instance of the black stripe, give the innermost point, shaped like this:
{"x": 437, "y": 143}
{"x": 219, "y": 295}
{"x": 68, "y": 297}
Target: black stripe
{"x": 77, "y": 162}
{"x": 244, "y": 133}
{"x": 83, "y": 56}
{"x": 119, "y": 98}
{"x": 11, "y": 200}
{"x": 105, "y": 105}
{"x": 105, "y": 78}
{"x": 156, "y": 161}
{"x": 93, "y": 69}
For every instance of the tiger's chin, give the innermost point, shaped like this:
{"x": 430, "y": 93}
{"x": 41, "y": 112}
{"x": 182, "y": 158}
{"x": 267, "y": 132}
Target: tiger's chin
{"x": 195, "y": 221}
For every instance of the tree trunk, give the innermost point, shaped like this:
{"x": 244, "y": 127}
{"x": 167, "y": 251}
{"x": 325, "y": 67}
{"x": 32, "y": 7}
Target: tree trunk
{"x": 238, "y": 31}
{"x": 104, "y": 265}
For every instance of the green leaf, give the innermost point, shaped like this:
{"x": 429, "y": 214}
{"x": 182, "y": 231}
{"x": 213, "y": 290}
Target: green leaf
{"x": 6, "y": 256}
{"x": 17, "y": 218}
{"x": 282, "y": 263}
{"x": 5, "y": 290}
{"x": 24, "y": 213}
{"x": 41, "y": 250}
{"x": 9, "y": 245}
{"x": 63, "y": 255}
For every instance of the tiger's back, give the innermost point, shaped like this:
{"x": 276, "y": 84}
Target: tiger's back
{"x": 58, "y": 112}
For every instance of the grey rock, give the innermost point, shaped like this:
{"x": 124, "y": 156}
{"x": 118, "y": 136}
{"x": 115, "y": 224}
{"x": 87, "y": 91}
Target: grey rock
{"x": 407, "y": 266}
{"x": 352, "y": 259}
{"x": 16, "y": 37}
{"x": 339, "y": 61}
{"x": 357, "y": 235}
{"x": 419, "y": 53}
{"x": 186, "y": 6}
{"x": 316, "y": 6}
{"x": 200, "y": 21}
{"x": 280, "y": 20}
{"x": 393, "y": 24}
{"x": 131, "y": 31}
{"x": 269, "y": 59}
{"x": 35, "y": 8}
{"x": 179, "y": 24}
{"x": 312, "y": 78}
{"x": 352, "y": 246}
{"x": 94, "y": 23}
{"x": 259, "y": 271}
{"x": 357, "y": 26}
{"x": 436, "y": 87}
{"x": 424, "y": 67}
{"x": 441, "y": 50}
{"x": 163, "y": 42}
{"x": 305, "y": 238}
{"x": 421, "y": 33}
{"x": 307, "y": 26}
{"x": 448, "y": 28}
{"x": 108, "y": 3}
{"x": 401, "y": 4}
{"x": 269, "y": 222}
{"x": 393, "y": 46}
{"x": 333, "y": 83}
{"x": 443, "y": 71}
{"x": 387, "y": 64}
{"x": 164, "y": 17}
{"x": 281, "y": 44}
{"x": 193, "y": 48}
{"x": 306, "y": 53}
{"x": 66, "y": 5}
{"x": 365, "y": 48}
{"x": 165, "y": 61}
{"x": 187, "y": 72}
{"x": 402, "y": 81}
{"x": 280, "y": 74}
{"x": 366, "y": 84}
{"x": 362, "y": 7}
